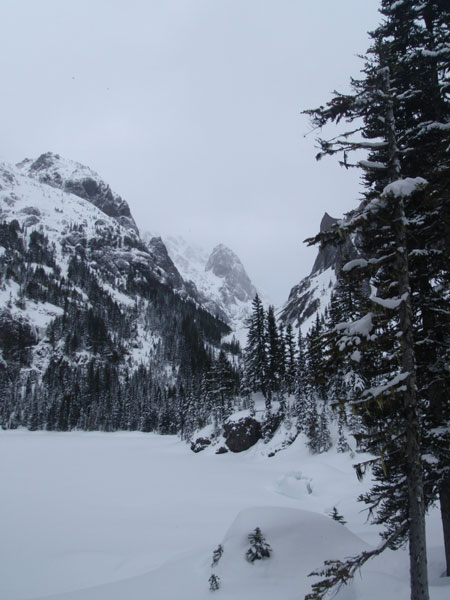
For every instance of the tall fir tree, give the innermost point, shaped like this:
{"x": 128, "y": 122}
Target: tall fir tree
{"x": 273, "y": 372}
{"x": 255, "y": 355}
{"x": 404, "y": 105}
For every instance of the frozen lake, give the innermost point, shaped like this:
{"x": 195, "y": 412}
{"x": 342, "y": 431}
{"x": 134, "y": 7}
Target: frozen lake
{"x": 86, "y": 509}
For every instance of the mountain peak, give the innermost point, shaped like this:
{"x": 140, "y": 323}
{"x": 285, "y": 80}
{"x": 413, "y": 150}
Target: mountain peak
{"x": 328, "y": 255}
{"x": 80, "y": 180}
{"x": 53, "y": 169}
{"x": 222, "y": 260}
{"x": 226, "y": 265}
{"x": 327, "y": 222}
{"x": 221, "y": 283}
{"x": 312, "y": 294}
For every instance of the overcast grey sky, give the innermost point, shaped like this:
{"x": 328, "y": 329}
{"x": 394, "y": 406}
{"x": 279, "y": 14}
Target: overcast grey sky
{"x": 190, "y": 109}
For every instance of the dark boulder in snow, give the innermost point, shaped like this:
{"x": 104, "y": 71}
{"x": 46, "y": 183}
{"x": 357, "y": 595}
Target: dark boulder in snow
{"x": 242, "y": 434}
{"x": 200, "y": 444}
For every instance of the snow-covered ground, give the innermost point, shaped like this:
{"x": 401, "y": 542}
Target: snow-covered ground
{"x": 131, "y": 516}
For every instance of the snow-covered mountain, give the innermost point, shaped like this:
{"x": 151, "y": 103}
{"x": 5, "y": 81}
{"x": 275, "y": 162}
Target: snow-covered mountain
{"x": 76, "y": 210}
{"x": 81, "y": 181}
{"x": 81, "y": 293}
{"x": 218, "y": 280}
{"x": 311, "y": 296}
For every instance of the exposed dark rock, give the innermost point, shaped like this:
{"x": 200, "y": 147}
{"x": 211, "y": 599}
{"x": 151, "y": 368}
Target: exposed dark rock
{"x": 31, "y": 220}
{"x": 53, "y": 170}
{"x": 332, "y": 255}
{"x": 328, "y": 255}
{"x": 200, "y": 444}
{"x": 242, "y": 434}
{"x": 159, "y": 251}
{"x": 221, "y": 450}
{"x": 302, "y": 302}
{"x": 44, "y": 161}
{"x": 305, "y": 297}
{"x": 100, "y": 194}
{"x": 31, "y": 210}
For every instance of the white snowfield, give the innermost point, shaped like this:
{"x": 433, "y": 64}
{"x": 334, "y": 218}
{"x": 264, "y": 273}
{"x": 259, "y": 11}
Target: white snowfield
{"x": 132, "y": 516}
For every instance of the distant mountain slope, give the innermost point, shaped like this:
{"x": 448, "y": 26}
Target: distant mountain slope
{"x": 222, "y": 284}
{"x": 311, "y": 296}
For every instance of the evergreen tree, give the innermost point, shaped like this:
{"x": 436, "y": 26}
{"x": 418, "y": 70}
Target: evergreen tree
{"x": 214, "y": 582}
{"x": 273, "y": 371}
{"x": 337, "y": 517}
{"x": 282, "y": 354}
{"x": 301, "y": 386}
{"x": 404, "y": 103}
{"x": 291, "y": 361}
{"x": 342, "y": 445}
{"x": 223, "y": 386}
{"x": 255, "y": 356}
{"x": 316, "y": 405}
{"x": 259, "y": 548}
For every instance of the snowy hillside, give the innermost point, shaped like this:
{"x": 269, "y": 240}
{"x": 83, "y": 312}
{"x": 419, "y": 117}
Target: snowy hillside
{"x": 72, "y": 225}
{"x": 222, "y": 284}
{"x": 95, "y": 516}
{"x": 309, "y": 298}
{"x": 86, "y": 306}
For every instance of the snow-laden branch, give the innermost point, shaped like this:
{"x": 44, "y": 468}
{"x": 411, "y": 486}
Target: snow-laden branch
{"x": 360, "y": 327}
{"x": 404, "y": 187}
{"x": 359, "y": 263}
{"x": 370, "y": 164}
{"x": 337, "y": 573}
{"x": 381, "y": 389}
{"x": 435, "y": 125}
{"x": 362, "y": 263}
{"x": 390, "y": 303}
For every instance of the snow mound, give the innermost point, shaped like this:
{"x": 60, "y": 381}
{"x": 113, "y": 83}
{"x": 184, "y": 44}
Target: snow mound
{"x": 112, "y": 516}
{"x": 294, "y": 485}
{"x": 300, "y": 542}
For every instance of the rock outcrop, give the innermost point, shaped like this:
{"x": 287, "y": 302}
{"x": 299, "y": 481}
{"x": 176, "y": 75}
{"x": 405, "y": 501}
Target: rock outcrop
{"x": 312, "y": 294}
{"x": 77, "y": 179}
{"x": 242, "y": 434}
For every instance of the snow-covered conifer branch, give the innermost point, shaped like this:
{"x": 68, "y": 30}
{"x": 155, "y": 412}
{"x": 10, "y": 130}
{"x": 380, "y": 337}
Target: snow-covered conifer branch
{"x": 337, "y": 573}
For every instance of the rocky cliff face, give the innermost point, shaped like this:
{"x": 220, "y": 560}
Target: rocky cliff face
{"x": 312, "y": 294}
{"x": 224, "y": 264}
{"x": 77, "y": 179}
{"x": 163, "y": 262}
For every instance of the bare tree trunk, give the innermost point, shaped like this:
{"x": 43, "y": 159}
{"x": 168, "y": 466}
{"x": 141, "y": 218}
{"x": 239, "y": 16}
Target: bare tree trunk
{"x": 414, "y": 470}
